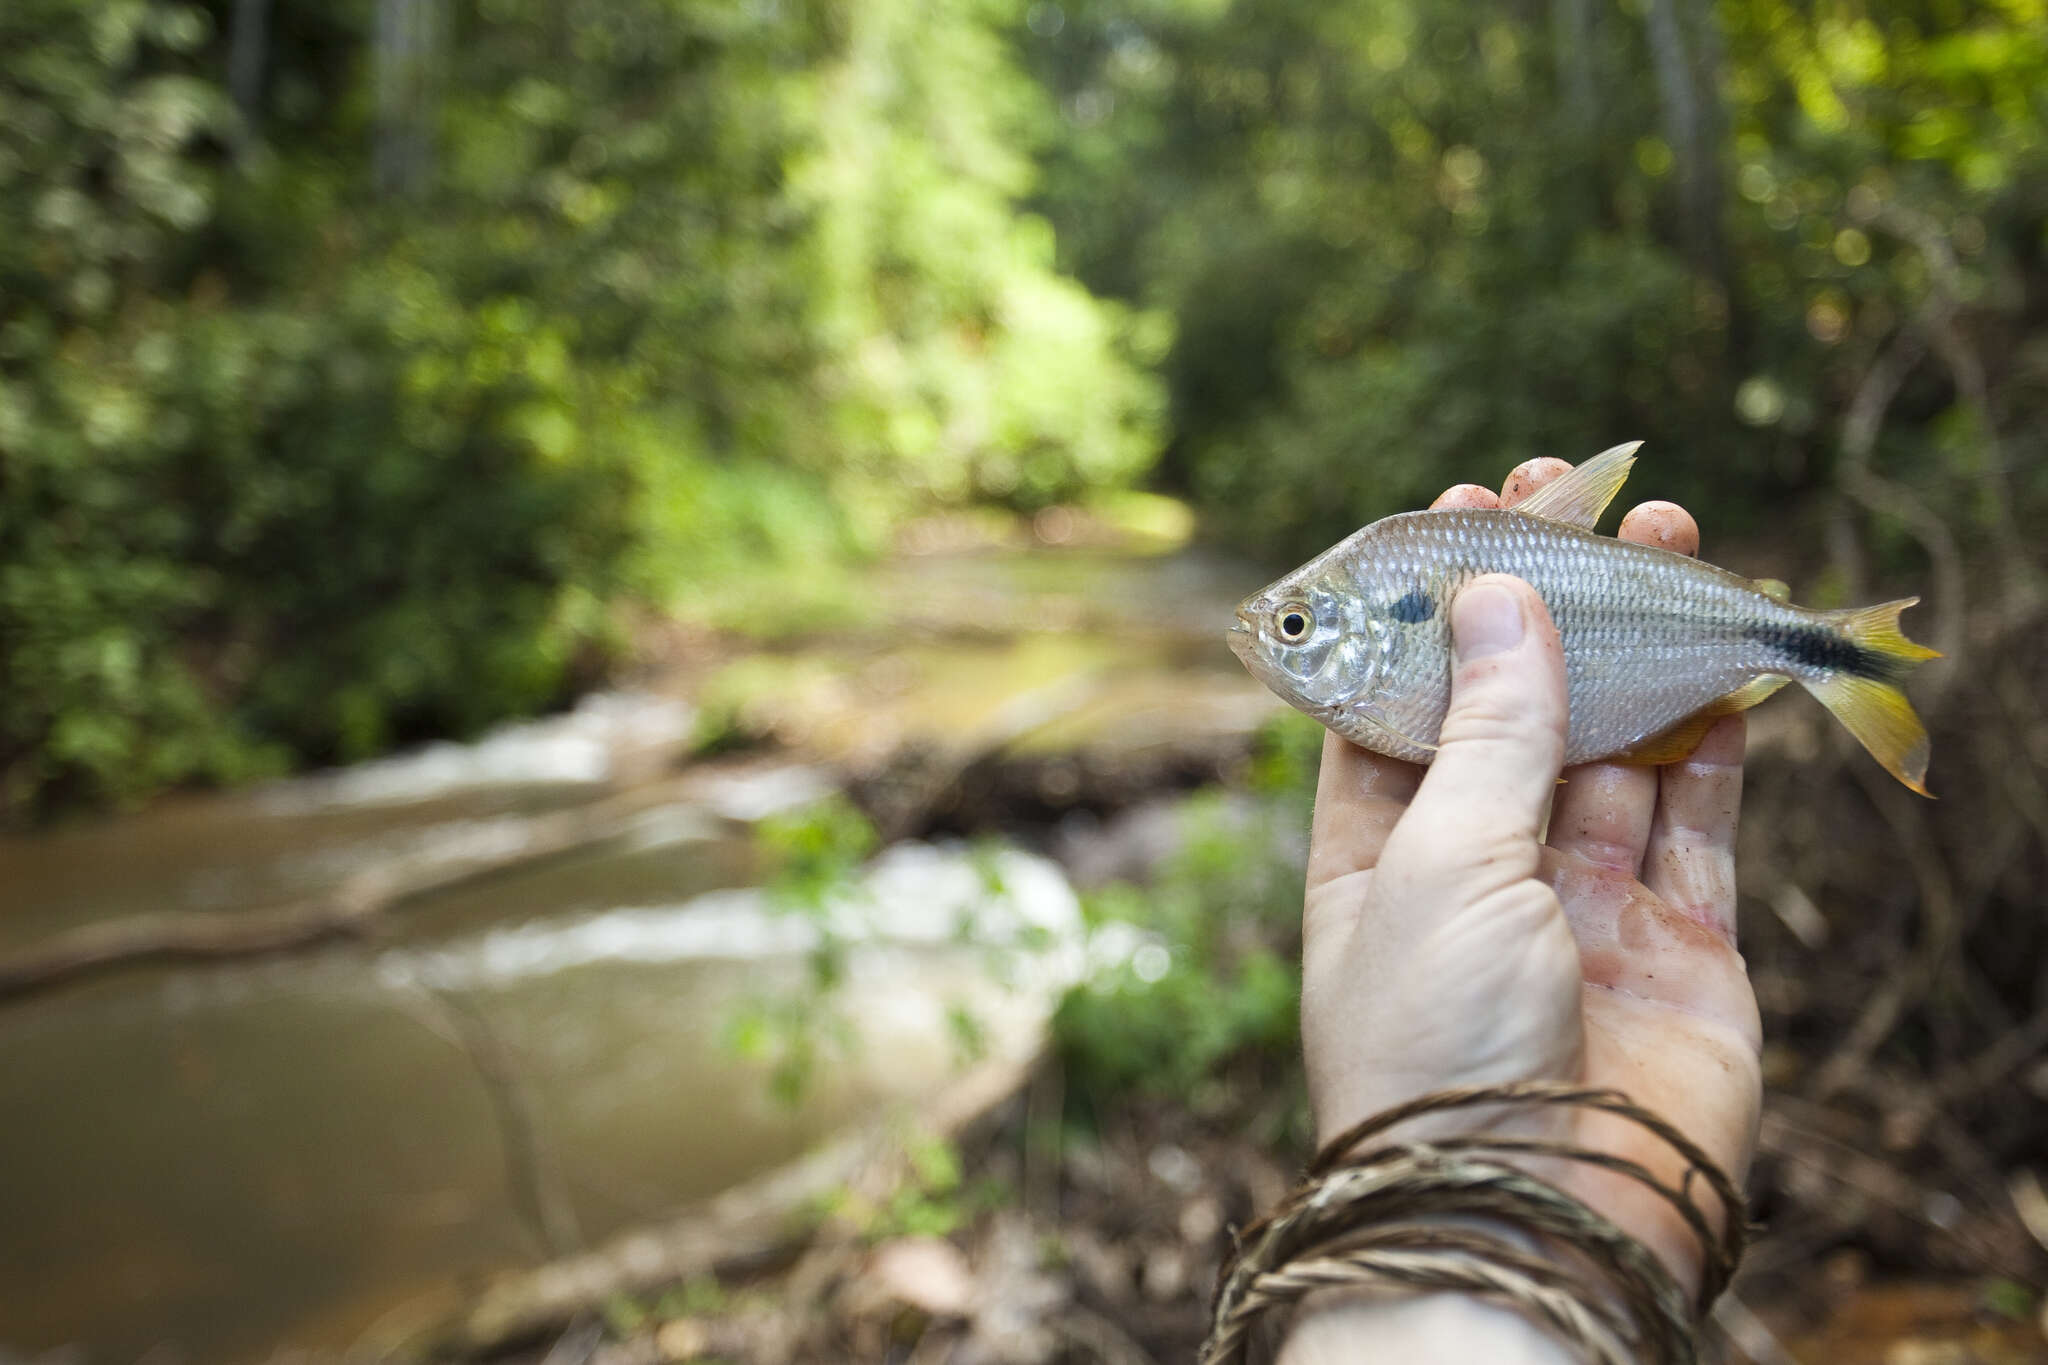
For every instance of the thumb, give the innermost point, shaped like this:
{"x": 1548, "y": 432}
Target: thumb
{"x": 1503, "y": 737}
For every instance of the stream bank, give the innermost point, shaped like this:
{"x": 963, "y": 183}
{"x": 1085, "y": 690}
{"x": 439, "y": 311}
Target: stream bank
{"x": 526, "y": 1098}
{"x": 311, "y": 1061}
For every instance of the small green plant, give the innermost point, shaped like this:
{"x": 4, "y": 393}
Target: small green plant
{"x": 697, "y": 1297}
{"x": 935, "y": 1198}
{"x": 816, "y": 854}
{"x": 816, "y": 850}
{"x": 1214, "y": 978}
{"x": 2008, "y": 1299}
{"x": 1286, "y": 753}
{"x": 791, "y": 1032}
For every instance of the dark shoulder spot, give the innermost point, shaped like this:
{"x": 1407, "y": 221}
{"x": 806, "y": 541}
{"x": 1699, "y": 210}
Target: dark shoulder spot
{"x": 1416, "y": 606}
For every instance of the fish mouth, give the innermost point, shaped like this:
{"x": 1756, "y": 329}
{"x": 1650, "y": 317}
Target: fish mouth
{"x": 1241, "y": 639}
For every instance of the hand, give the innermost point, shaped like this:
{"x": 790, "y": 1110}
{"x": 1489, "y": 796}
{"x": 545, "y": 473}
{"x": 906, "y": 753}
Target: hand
{"x": 1445, "y": 943}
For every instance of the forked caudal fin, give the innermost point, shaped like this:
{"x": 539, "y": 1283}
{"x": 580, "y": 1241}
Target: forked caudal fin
{"x": 1869, "y": 702}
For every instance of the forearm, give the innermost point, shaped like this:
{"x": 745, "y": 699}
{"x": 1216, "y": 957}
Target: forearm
{"x": 1399, "y": 1328}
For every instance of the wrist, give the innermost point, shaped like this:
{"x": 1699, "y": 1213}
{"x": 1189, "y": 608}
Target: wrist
{"x": 1629, "y": 1164}
{"x": 1420, "y": 1327}
{"x": 1423, "y": 1237}
{"x": 1424, "y": 1325}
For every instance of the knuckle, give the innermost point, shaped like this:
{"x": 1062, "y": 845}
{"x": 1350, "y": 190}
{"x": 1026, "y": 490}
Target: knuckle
{"x": 1489, "y": 714}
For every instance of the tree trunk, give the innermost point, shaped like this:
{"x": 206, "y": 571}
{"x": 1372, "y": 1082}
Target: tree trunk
{"x": 1571, "y": 38}
{"x": 248, "y": 40}
{"x": 1683, "y": 48}
{"x": 408, "y": 45}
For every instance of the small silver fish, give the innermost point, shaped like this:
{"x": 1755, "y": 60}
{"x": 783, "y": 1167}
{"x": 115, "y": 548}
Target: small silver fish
{"x": 1657, "y": 646}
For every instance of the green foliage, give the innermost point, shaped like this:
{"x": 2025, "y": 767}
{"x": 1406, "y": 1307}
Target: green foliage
{"x": 1215, "y": 975}
{"x": 815, "y": 850}
{"x": 326, "y": 423}
{"x": 2008, "y": 1299}
{"x": 791, "y": 1033}
{"x": 1390, "y": 251}
{"x": 1414, "y": 243}
{"x": 814, "y": 855}
{"x": 935, "y": 1198}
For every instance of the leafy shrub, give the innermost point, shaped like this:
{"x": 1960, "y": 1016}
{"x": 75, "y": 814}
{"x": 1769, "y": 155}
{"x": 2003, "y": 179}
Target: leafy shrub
{"x": 1216, "y": 978}
{"x": 302, "y": 455}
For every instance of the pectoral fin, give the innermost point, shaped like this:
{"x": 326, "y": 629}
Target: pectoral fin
{"x": 1361, "y": 726}
{"x": 1669, "y": 746}
{"x": 1578, "y": 498}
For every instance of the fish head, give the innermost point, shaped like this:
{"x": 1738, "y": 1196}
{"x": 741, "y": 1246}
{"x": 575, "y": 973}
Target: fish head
{"x": 1306, "y": 638}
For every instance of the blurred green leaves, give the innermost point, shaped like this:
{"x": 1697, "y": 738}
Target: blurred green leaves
{"x": 683, "y": 305}
{"x": 691, "y": 297}
{"x": 1413, "y": 243}
{"x": 1213, "y": 978}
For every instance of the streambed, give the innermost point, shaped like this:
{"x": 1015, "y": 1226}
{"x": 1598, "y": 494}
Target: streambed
{"x": 319, "y": 1150}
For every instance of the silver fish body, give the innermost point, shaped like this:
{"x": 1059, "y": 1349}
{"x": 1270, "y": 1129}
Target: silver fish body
{"x": 1650, "y": 637}
{"x": 1359, "y": 637}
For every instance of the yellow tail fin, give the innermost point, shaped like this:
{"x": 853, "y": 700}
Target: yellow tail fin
{"x": 1873, "y": 708}
{"x": 1877, "y": 630}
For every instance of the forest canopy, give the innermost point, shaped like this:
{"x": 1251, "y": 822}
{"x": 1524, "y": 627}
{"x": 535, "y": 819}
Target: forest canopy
{"x": 360, "y": 364}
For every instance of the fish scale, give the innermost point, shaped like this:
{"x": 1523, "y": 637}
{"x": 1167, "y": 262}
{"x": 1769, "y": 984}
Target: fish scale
{"x": 1656, "y": 644}
{"x": 1649, "y": 637}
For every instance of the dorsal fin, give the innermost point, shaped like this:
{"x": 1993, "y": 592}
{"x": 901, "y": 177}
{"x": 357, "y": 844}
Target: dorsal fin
{"x": 1578, "y": 498}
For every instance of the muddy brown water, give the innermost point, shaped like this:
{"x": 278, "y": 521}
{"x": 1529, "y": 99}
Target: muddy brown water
{"x": 218, "y": 1163}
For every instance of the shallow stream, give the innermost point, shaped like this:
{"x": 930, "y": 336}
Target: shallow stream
{"x": 213, "y": 1163}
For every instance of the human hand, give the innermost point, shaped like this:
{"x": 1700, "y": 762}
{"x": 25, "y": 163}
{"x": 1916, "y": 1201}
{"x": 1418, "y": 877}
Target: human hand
{"x": 1447, "y": 943}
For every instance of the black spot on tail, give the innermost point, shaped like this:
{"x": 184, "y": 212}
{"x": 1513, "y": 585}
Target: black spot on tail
{"x": 1416, "y": 606}
{"x": 1812, "y": 646}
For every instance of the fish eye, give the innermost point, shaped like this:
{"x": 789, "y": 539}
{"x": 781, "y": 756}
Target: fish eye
{"x": 1294, "y": 621}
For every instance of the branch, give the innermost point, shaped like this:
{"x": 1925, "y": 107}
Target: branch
{"x": 141, "y": 939}
{"x": 355, "y": 911}
{"x": 533, "y": 1181}
{"x": 1939, "y": 320}
{"x": 755, "y": 1224}
{"x": 1879, "y": 495}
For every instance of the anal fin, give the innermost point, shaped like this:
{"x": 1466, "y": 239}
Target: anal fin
{"x": 1678, "y": 741}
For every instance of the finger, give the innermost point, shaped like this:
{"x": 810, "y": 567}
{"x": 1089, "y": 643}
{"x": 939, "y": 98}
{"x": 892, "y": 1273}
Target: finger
{"x": 1359, "y": 796}
{"x": 1530, "y": 475}
{"x": 1665, "y": 525}
{"x": 1654, "y": 955}
{"x": 1690, "y": 860}
{"x": 1464, "y": 495}
{"x": 1603, "y": 812}
{"x": 1482, "y": 801}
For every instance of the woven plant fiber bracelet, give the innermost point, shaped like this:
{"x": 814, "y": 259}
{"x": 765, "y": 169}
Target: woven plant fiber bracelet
{"x": 1377, "y": 1219}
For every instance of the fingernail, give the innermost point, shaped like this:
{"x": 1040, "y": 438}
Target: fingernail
{"x": 1485, "y": 619}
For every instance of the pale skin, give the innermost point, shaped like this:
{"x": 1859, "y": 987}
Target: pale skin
{"x": 1449, "y": 940}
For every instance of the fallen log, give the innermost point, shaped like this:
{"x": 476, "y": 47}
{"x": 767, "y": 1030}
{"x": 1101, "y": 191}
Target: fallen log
{"x": 764, "y": 1221}
{"x": 355, "y": 910}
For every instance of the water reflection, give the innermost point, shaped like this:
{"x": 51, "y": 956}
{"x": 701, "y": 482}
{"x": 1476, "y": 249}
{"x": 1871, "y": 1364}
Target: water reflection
{"x": 222, "y": 1160}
